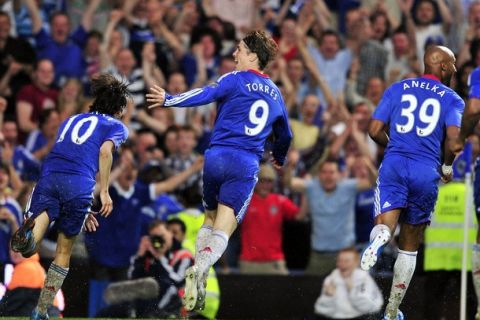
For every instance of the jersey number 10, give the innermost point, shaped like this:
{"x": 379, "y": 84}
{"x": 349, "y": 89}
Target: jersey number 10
{"x": 428, "y": 114}
{"x": 74, "y": 135}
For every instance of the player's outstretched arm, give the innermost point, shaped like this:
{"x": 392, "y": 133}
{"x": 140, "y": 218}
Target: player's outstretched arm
{"x": 105, "y": 165}
{"x": 224, "y": 86}
{"x": 377, "y": 132}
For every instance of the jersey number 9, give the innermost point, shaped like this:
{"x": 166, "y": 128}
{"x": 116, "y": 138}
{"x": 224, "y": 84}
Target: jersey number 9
{"x": 258, "y": 121}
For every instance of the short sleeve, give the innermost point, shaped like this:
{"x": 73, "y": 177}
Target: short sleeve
{"x": 383, "y": 110}
{"x": 349, "y": 186}
{"x": 474, "y": 84}
{"x": 118, "y": 134}
{"x": 455, "y": 111}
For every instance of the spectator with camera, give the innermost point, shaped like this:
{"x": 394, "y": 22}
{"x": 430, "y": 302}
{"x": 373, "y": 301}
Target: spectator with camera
{"x": 162, "y": 257}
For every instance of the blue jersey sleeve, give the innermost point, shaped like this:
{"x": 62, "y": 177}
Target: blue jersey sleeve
{"x": 453, "y": 116}
{"x": 118, "y": 134}
{"x": 474, "y": 84}
{"x": 201, "y": 96}
{"x": 283, "y": 137}
{"x": 383, "y": 110}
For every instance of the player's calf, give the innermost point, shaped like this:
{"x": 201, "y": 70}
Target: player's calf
{"x": 23, "y": 240}
{"x": 379, "y": 237}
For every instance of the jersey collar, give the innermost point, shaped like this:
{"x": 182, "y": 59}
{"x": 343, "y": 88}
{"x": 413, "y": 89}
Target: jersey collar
{"x": 431, "y": 76}
{"x": 259, "y": 73}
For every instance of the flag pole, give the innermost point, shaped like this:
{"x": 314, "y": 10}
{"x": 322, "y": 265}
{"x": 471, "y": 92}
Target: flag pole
{"x": 466, "y": 226}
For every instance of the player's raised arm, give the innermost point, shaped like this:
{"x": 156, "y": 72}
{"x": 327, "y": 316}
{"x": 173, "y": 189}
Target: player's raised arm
{"x": 105, "y": 159}
{"x": 193, "y": 98}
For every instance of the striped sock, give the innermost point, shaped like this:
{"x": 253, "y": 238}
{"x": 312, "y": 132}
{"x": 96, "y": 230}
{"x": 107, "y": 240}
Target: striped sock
{"x": 53, "y": 282}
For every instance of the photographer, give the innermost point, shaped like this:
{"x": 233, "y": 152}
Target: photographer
{"x": 162, "y": 257}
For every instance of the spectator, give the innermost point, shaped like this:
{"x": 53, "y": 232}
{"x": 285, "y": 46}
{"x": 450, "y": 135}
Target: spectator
{"x": 41, "y": 141}
{"x": 184, "y": 158}
{"x": 33, "y": 98}
{"x": 348, "y": 292}
{"x": 24, "y": 163}
{"x": 110, "y": 250}
{"x": 261, "y": 231}
{"x": 10, "y": 217}
{"x": 179, "y": 230}
{"x": 16, "y": 61}
{"x": 162, "y": 257}
{"x": 331, "y": 201}
{"x": 426, "y": 25}
{"x": 61, "y": 47}
{"x": 305, "y": 132}
{"x": 71, "y": 100}
{"x": 24, "y": 288}
{"x": 332, "y": 61}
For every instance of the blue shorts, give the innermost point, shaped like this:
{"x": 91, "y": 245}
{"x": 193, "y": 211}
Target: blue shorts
{"x": 407, "y": 184}
{"x": 229, "y": 177}
{"x": 66, "y": 198}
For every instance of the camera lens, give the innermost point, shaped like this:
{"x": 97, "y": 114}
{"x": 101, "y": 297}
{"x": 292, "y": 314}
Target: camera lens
{"x": 157, "y": 241}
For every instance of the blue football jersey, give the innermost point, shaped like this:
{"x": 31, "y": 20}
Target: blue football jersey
{"x": 418, "y": 111}
{"x": 474, "y": 83}
{"x": 79, "y": 139}
{"x": 250, "y": 106}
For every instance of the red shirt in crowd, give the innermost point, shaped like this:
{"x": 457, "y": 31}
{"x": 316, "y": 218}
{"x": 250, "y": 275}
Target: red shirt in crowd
{"x": 261, "y": 229}
{"x": 39, "y": 99}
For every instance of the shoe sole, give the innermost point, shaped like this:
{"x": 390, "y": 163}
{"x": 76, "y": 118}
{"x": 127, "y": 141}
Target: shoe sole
{"x": 191, "y": 289}
{"x": 19, "y": 238}
{"x": 370, "y": 255}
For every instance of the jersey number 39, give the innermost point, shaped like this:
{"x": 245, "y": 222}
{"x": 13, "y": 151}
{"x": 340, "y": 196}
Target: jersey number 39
{"x": 428, "y": 114}
{"x": 258, "y": 121}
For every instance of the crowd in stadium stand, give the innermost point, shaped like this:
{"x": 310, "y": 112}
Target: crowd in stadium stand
{"x": 335, "y": 60}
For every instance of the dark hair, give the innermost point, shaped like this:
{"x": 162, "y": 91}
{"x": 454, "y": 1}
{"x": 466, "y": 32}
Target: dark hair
{"x": 329, "y": 32}
{"x": 378, "y": 14}
{"x": 178, "y": 221}
{"x": 259, "y": 42}
{"x": 4, "y": 167}
{"x": 155, "y": 223}
{"x": 37, "y": 63}
{"x": 4, "y": 14}
{"x": 95, "y": 34}
{"x": 58, "y": 13}
{"x": 199, "y": 33}
{"x": 110, "y": 95}
{"x": 43, "y": 117}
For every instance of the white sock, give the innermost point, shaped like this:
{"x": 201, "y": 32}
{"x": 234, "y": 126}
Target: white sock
{"x": 402, "y": 274}
{"x": 212, "y": 251}
{"x": 202, "y": 238}
{"x": 377, "y": 229}
{"x": 476, "y": 270}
